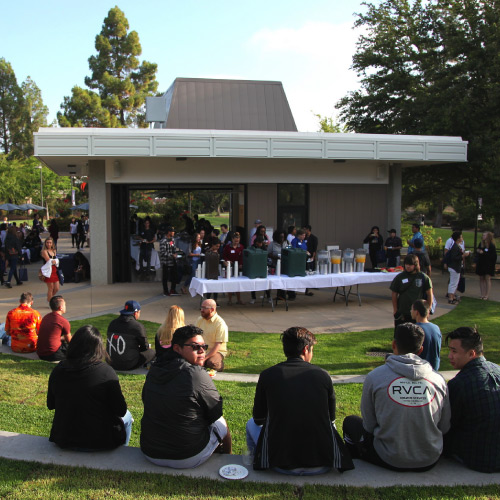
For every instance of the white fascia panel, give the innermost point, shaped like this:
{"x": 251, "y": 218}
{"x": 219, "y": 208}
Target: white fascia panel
{"x": 178, "y": 146}
{"x": 121, "y": 146}
{"x": 446, "y": 152}
{"x": 401, "y": 151}
{"x": 296, "y": 149}
{"x": 254, "y": 148}
{"x": 346, "y": 150}
{"x": 58, "y": 146}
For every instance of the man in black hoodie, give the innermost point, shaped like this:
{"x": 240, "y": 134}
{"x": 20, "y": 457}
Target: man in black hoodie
{"x": 182, "y": 424}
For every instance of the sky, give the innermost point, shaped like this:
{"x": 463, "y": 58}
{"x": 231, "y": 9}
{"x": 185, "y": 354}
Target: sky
{"x": 307, "y": 45}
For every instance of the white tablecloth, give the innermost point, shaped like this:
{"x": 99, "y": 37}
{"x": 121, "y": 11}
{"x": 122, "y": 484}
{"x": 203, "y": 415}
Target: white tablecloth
{"x": 134, "y": 253}
{"x": 297, "y": 284}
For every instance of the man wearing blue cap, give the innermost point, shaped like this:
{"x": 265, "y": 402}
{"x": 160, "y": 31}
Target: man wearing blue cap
{"x": 127, "y": 343}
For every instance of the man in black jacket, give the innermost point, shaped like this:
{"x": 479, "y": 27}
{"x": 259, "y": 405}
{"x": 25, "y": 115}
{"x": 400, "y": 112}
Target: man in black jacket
{"x": 127, "y": 344}
{"x": 292, "y": 430}
{"x": 182, "y": 424}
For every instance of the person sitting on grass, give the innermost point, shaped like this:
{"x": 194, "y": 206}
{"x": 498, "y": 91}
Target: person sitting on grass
{"x": 54, "y": 335}
{"x": 174, "y": 320}
{"x": 90, "y": 410}
{"x": 182, "y": 424}
{"x": 432, "y": 341}
{"x": 405, "y": 409}
{"x": 292, "y": 430}
{"x": 473, "y": 438}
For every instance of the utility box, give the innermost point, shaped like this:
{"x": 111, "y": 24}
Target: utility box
{"x": 293, "y": 262}
{"x": 254, "y": 263}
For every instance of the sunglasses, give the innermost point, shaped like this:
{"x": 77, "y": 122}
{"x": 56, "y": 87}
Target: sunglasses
{"x": 197, "y": 347}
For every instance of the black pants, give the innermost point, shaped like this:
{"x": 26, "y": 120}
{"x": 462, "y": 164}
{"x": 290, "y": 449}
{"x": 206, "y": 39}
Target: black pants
{"x": 145, "y": 255}
{"x": 59, "y": 355}
{"x": 74, "y": 239}
{"x": 359, "y": 442}
{"x": 80, "y": 241}
{"x": 169, "y": 274}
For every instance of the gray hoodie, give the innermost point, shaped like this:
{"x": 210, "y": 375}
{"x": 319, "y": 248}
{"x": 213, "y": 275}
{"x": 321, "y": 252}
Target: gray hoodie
{"x": 405, "y": 406}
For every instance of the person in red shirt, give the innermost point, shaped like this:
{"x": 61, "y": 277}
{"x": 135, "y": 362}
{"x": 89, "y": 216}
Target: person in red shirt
{"x": 55, "y": 332}
{"x": 22, "y": 324}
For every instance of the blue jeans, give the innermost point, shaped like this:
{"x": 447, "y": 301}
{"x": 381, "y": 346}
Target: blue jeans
{"x": 13, "y": 268}
{"x": 127, "y": 421}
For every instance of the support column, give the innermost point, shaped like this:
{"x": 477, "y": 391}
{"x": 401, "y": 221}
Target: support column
{"x": 394, "y": 191}
{"x": 99, "y": 216}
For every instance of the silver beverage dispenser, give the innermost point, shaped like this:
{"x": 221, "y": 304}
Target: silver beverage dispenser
{"x": 360, "y": 260}
{"x": 323, "y": 261}
{"x": 336, "y": 261}
{"x": 348, "y": 261}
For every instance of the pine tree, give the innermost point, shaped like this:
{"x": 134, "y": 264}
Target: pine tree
{"x": 118, "y": 84}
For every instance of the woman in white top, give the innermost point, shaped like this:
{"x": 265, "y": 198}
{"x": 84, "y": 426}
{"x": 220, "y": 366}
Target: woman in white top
{"x": 72, "y": 229}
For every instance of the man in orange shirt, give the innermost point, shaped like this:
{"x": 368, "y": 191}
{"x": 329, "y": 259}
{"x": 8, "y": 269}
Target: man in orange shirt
{"x": 22, "y": 325}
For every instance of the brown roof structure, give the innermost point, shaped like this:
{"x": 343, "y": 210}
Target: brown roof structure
{"x": 201, "y": 103}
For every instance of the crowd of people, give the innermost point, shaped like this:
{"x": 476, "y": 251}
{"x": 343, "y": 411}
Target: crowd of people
{"x": 214, "y": 246}
{"x": 22, "y": 245}
{"x": 409, "y": 417}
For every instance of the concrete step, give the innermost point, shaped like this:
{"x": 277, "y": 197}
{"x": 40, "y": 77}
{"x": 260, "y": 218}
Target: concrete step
{"x": 38, "y": 449}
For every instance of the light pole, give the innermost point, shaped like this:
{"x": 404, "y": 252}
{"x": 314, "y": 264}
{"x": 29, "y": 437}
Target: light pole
{"x": 41, "y": 183}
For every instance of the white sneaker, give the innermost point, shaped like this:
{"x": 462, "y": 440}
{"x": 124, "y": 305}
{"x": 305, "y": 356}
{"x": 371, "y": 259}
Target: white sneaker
{"x": 252, "y": 301}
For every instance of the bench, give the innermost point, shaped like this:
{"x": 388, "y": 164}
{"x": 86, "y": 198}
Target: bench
{"x": 38, "y": 449}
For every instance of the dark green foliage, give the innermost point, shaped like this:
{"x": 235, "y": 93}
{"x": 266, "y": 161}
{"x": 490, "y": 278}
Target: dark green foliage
{"x": 119, "y": 83}
{"x": 433, "y": 68}
{"x": 22, "y": 112}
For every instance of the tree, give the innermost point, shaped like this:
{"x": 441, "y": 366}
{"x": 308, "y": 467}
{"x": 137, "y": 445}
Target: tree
{"x": 432, "y": 68}
{"x": 11, "y": 103}
{"x": 22, "y": 112}
{"x": 20, "y": 180}
{"x": 84, "y": 109}
{"x": 120, "y": 83}
{"x": 34, "y": 114}
{"x": 329, "y": 125}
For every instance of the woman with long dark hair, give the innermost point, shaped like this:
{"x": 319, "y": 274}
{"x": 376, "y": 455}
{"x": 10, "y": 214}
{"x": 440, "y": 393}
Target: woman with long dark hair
{"x": 375, "y": 243}
{"x": 194, "y": 259}
{"x": 90, "y": 410}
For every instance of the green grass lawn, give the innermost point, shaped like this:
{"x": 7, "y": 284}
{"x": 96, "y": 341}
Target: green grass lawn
{"x": 28, "y": 481}
{"x": 23, "y": 409}
{"x": 445, "y": 233}
{"x": 216, "y": 220}
{"x": 341, "y": 353}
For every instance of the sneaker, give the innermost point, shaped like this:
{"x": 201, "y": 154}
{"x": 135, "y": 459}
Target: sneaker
{"x": 166, "y": 294}
{"x": 8, "y": 285}
{"x": 252, "y": 301}
{"x": 19, "y": 283}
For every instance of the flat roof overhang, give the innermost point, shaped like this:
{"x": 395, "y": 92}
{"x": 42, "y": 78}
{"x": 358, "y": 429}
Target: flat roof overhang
{"x": 67, "y": 150}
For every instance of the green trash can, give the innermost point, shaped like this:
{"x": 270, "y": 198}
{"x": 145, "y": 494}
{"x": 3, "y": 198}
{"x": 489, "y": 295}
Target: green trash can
{"x": 254, "y": 263}
{"x": 293, "y": 262}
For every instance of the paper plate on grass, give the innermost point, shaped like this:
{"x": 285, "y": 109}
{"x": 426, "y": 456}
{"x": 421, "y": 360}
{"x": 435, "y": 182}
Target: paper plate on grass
{"x": 233, "y": 471}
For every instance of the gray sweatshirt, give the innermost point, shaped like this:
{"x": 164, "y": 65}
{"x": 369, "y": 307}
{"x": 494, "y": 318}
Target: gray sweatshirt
{"x": 405, "y": 406}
